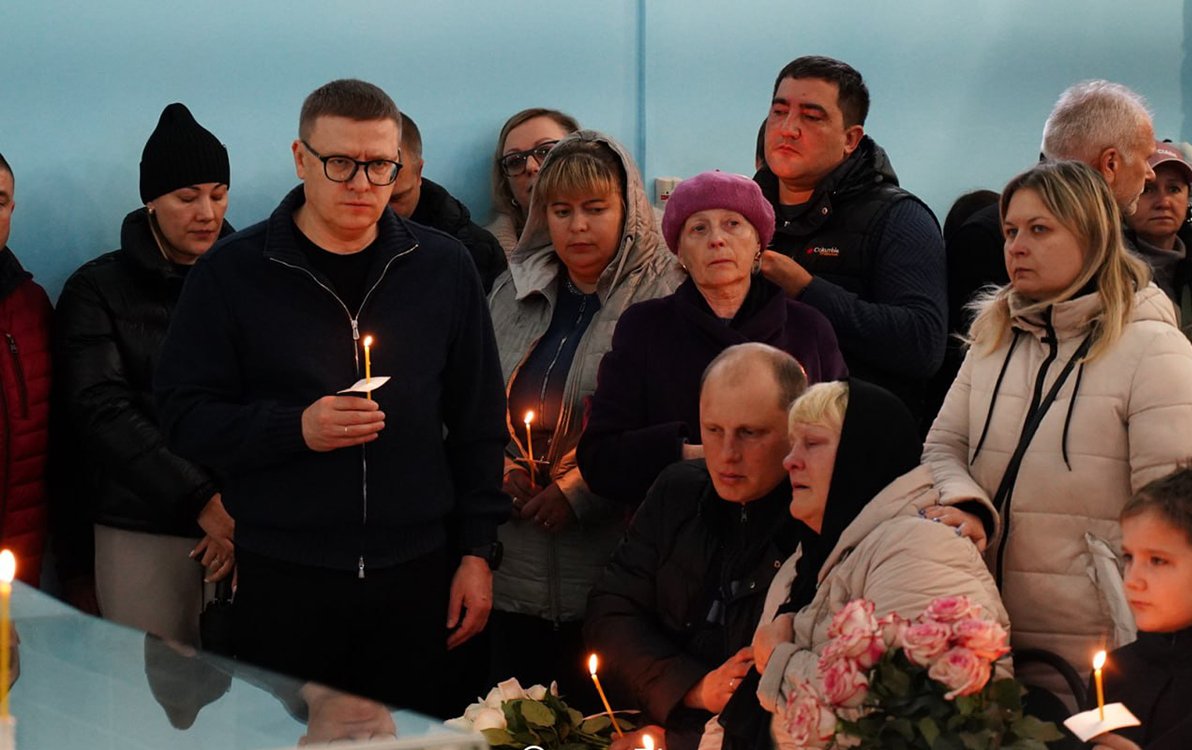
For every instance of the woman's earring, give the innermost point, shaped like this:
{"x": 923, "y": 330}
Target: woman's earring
{"x": 757, "y": 261}
{"x": 513, "y": 201}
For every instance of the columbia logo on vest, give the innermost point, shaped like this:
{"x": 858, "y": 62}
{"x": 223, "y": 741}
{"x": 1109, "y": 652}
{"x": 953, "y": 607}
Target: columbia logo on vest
{"x": 827, "y": 252}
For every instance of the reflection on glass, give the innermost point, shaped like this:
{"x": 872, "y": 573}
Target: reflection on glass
{"x": 88, "y": 683}
{"x": 181, "y": 681}
{"x": 332, "y": 716}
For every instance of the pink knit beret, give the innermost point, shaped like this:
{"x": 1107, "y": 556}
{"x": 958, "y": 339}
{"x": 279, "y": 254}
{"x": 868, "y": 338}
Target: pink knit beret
{"x": 717, "y": 189}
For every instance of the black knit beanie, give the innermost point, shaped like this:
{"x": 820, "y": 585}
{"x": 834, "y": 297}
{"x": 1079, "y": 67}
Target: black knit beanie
{"x": 181, "y": 152}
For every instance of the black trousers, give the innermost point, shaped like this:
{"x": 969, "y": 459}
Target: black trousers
{"x": 536, "y": 651}
{"x": 383, "y": 636}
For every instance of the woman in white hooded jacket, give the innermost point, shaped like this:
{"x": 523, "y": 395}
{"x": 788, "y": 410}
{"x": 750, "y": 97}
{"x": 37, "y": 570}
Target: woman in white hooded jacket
{"x": 1076, "y": 392}
{"x": 590, "y": 249}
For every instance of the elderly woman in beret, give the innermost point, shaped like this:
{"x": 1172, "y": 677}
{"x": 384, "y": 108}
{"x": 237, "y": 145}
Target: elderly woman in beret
{"x": 644, "y": 414}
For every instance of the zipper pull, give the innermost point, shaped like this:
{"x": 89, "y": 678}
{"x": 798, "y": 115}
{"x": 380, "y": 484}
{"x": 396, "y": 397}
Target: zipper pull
{"x": 12, "y": 343}
{"x": 360, "y": 567}
{"x": 355, "y": 337}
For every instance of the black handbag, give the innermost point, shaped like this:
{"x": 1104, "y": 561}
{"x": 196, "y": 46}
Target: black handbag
{"x": 215, "y": 621}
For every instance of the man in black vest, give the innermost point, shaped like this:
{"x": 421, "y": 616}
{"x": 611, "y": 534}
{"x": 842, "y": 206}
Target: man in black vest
{"x": 848, "y": 240}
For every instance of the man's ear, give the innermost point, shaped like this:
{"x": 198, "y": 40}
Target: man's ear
{"x": 852, "y": 138}
{"x": 1109, "y": 162}
{"x": 299, "y": 165}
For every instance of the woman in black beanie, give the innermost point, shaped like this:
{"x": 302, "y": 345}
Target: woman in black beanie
{"x": 160, "y": 527}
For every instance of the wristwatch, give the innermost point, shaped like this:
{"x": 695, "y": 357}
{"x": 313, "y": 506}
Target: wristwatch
{"x": 490, "y": 553}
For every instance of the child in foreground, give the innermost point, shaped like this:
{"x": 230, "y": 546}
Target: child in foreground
{"x": 1153, "y": 675}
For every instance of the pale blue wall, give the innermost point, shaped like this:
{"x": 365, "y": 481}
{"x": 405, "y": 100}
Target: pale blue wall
{"x": 960, "y": 89}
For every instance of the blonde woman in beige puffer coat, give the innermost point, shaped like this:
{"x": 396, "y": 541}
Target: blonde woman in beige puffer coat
{"x": 1076, "y": 392}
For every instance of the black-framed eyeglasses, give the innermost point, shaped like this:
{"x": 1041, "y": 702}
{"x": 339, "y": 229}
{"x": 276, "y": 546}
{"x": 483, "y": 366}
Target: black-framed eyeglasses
{"x": 514, "y": 164}
{"x": 379, "y": 172}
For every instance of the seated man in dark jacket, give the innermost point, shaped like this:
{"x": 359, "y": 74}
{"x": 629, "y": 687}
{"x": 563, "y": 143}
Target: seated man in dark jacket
{"x": 428, "y": 203}
{"x": 675, "y": 611}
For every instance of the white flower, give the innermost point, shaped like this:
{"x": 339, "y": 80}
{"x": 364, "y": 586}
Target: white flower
{"x": 536, "y": 692}
{"x": 493, "y": 699}
{"x": 511, "y": 689}
{"x": 489, "y": 718}
{"x": 465, "y": 722}
{"x": 554, "y": 688}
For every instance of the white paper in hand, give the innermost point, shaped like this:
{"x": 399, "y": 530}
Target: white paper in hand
{"x": 364, "y": 385}
{"x": 1087, "y": 724}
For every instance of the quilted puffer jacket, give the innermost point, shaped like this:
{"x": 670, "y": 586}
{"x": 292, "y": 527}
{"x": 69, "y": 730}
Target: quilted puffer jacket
{"x": 24, "y": 414}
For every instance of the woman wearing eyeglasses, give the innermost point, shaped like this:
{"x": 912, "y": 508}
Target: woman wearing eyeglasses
{"x": 590, "y": 249}
{"x": 525, "y": 140}
{"x": 160, "y": 524}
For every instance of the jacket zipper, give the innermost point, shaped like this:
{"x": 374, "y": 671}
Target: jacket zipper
{"x": 737, "y": 539}
{"x": 552, "y": 453}
{"x": 1036, "y": 398}
{"x": 22, "y": 390}
{"x": 354, "y": 321}
{"x": 552, "y": 554}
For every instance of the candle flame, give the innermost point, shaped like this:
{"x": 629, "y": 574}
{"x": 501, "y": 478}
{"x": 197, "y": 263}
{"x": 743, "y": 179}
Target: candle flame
{"x": 592, "y": 663}
{"x": 368, "y": 340}
{"x": 528, "y": 418}
{"x": 8, "y": 566}
{"x": 1099, "y": 660}
{"x": 648, "y": 742}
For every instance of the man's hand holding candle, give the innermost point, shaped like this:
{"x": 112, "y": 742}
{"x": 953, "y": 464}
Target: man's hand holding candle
{"x": 341, "y": 421}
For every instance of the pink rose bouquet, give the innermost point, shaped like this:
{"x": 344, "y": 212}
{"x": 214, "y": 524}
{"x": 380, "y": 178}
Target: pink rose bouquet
{"x": 925, "y": 683}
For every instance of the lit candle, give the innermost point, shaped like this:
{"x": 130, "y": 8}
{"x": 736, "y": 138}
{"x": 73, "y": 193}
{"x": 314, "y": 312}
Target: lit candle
{"x": 8, "y": 569}
{"x": 529, "y": 419}
{"x": 368, "y": 364}
{"x": 647, "y": 742}
{"x": 592, "y": 662}
{"x": 1098, "y": 663}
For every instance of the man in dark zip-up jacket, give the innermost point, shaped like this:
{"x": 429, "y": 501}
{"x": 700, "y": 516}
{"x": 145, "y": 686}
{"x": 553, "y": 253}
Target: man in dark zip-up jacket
{"x": 345, "y": 507}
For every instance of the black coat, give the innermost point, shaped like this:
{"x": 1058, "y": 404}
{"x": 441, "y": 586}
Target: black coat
{"x": 975, "y": 260}
{"x": 441, "y": 210}
{"x": 685, "y": 590}
{"x": 110, "y": 323}
{"x": 259, "y": 335}
{"x": 1153, "y": 677}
